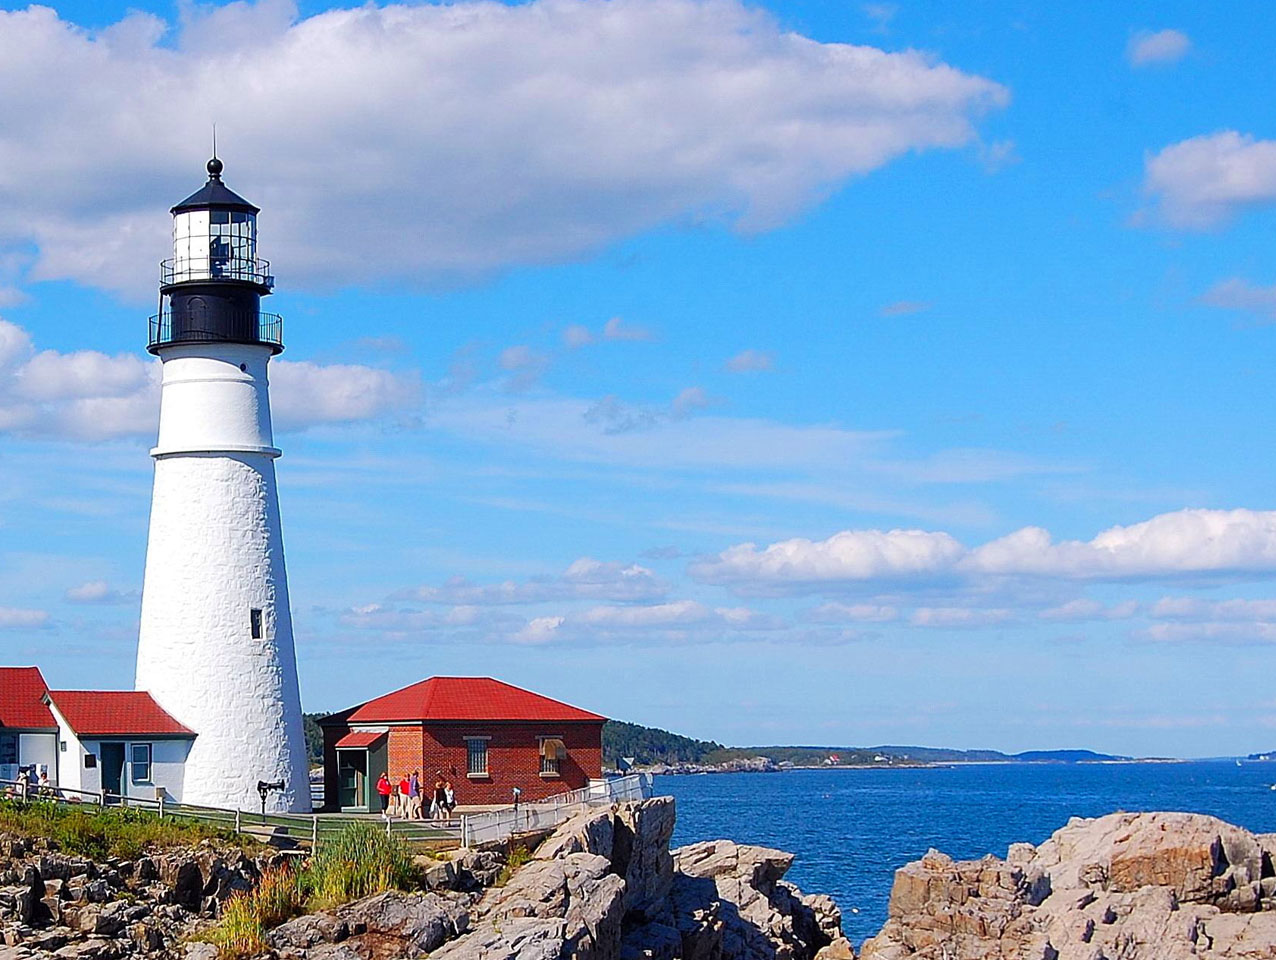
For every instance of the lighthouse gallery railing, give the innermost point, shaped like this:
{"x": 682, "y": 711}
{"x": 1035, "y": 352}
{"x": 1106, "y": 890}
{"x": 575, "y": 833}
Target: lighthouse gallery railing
{"x": 269, "y": 330}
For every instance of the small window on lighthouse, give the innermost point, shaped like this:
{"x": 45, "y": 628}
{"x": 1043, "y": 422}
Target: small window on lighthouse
{"x": 254, "y": 621}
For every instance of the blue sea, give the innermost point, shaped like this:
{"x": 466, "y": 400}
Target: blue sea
{"x": 851, "y": 829}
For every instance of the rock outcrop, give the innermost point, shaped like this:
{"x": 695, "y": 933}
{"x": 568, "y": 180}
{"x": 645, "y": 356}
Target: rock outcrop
{"x": 605, "y": 886}
{"x": 1149, "y": 886}
{"x": 73, "y": 907}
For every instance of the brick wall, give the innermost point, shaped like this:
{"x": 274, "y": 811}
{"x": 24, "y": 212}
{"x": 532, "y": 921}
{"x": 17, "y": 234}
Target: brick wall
{"x": 513, "y": 758}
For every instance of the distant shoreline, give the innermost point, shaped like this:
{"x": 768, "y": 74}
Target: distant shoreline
{"x": 691, "y": 770}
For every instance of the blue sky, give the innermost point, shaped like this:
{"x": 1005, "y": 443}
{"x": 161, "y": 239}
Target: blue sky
{"x": 797, "y": 372}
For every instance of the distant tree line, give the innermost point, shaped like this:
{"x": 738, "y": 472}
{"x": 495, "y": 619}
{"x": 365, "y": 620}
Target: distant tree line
{"x": 651, "y": 745}
{"x": 314, "y": 736}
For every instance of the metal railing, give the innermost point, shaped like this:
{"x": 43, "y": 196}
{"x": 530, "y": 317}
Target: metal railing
{"x": 183, "y": 269}
{"x": 498, "y": 825}
{"x": 312, "y": 829}
{"x": 307, "y": 829}
{"x": 269, "y": 329}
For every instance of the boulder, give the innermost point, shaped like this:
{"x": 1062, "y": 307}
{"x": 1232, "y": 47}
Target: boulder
{"x": 760, "y": 917}
{"x": 575, "y": 901}
{"x": 1152, "y": 886}
{"x": 421, "y": 921}
{"x": 640, "y": 854}
{"x": 592, "y": 831}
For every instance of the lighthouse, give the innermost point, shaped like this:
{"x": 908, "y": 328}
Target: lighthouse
{"x": 216, "y": 646}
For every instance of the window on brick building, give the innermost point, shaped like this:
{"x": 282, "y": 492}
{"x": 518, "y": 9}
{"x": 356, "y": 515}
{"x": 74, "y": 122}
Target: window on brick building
{"x": 552, "y": 753}
{"x": 476, "y": 759}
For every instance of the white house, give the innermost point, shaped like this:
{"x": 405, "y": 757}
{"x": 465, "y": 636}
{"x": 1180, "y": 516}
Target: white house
{"x": 28, "y": 732}
{"x": 119, "y": 741}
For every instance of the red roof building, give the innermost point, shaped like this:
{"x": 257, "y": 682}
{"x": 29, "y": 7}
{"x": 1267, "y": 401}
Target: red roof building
{"x": 484, "y": 736}
{"x": 87, "y": 742}
{"x": 22, "y": 706}
{"x": 115, "y": 713}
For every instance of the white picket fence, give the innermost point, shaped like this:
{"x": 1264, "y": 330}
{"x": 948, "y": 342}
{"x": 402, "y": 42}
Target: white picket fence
{"x": 498, "y": 825}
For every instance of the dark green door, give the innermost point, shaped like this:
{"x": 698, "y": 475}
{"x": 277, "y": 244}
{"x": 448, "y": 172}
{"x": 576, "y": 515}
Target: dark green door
{"x": 352, "y": 775}
{"x": 112, "y": 760}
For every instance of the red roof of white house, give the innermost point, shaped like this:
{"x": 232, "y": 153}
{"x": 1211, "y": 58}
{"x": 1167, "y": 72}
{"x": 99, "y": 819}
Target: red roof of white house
{"x": 114, "y": 713}
{"x": 22, "y": 706}
{"x": 467, "y": 698}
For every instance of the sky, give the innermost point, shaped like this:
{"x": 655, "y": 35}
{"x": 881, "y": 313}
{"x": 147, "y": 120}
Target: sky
{"x": 791, "y": 372}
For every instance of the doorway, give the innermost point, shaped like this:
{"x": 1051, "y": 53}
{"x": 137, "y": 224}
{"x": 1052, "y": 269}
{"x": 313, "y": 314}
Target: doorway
{"x": 112, "y": 759}
{"x": 352, "y": 779}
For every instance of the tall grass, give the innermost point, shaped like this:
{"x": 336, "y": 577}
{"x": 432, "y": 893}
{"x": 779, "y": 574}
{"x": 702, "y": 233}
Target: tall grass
{"x": 97, "y": 833}
{"x": 359, "y": 861}
{"x": 247, "y": 917}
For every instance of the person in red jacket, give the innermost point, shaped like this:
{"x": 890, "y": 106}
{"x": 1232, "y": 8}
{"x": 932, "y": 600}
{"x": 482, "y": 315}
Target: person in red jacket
{"x": 383, "y": 788}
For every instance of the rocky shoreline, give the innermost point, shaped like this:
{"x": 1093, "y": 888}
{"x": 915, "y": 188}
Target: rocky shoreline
{"x": 606, "y": 886}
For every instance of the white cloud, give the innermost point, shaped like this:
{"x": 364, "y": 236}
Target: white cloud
{"x": 98, "y": 591}
{"x": 902, "y": 308}
{"x": 525, "y": 364}
{"x": 853, "y": 612}
{"x": 306, "y": 394}
{"x": 1193, "y": 608}
{"x": 964, "y": 617}
{"x": 444, "y": 140}
{"x": 1235, "y": 633}
{"x": 1083, "y": 608}
{"x": 1204, "y": 181}
{"x": 538, "y": 631}
{"x": 1186, "y": 543}
{"x": 750, "y": 361}
{"x": 16, "y": 618}
{"x": 1147, "y": 48}
{"x": 852, "y": 555}
{"x": 89, "y": 396}
{"x": 618, "y": 329}
{"x": 1237, "y": 294}
{"x": 585, "y": 578}
{"x": 675, "y": 613}
{"x": 576, "y": 336}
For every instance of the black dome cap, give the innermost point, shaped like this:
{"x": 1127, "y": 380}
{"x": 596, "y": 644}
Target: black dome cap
{"x": 215, "y": 195}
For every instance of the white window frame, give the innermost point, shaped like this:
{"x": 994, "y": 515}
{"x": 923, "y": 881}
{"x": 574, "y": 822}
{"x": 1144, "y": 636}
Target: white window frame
{"x": 149, "y": 763}
{"x": 485, "y": 773}
{"x": 556, "y": 771}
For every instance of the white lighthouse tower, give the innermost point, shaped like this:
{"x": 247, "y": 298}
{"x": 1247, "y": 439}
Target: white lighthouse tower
{"x": 216, "y": 647}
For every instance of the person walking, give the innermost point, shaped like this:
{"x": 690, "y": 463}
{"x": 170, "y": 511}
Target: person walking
{"x": 414, "y": 795}
{"x": 383, "y": 790}
{"x": 449, "y": 798}
{"x": 405, "y": 803}
{"x": 437, "y": 800}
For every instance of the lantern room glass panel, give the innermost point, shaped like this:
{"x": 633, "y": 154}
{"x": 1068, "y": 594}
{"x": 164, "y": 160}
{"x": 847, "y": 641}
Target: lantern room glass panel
{"x": 214, "y": 245}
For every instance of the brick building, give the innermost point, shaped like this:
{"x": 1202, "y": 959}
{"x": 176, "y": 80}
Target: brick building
{"x": 486, "y": 736}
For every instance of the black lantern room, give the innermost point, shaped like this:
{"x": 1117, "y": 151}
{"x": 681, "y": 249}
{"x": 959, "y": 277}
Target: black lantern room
{"x": 211, "y": 289}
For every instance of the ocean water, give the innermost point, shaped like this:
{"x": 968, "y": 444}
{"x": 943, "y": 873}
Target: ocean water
{"x": 851, "y": 829}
